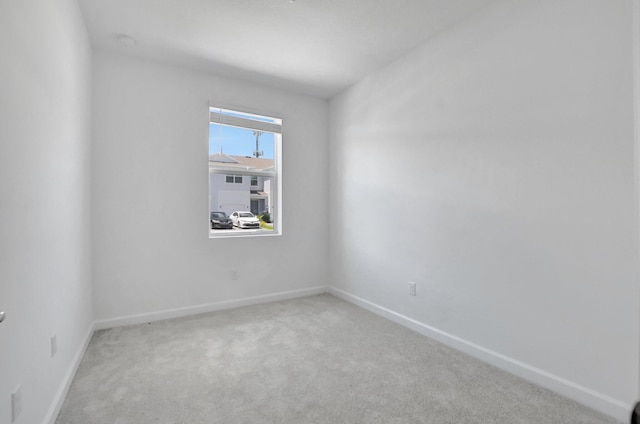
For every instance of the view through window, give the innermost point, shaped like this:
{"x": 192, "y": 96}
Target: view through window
{"x": 244, "y": 173}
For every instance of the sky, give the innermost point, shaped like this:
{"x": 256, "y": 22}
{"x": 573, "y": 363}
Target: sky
{"x": 238, "y": 141}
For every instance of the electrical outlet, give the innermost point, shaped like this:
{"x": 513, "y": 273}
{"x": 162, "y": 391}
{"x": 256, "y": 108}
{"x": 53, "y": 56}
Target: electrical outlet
{"x": 412, "y": 288}
{"x": 16, "y": 404}
{"x": 54, "y": 345}
{"x": 234, "y": 274}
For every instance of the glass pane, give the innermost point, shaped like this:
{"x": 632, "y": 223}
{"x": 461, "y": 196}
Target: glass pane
{"x": 230, "y": 144}
{"x": 235, "y": 153}
{"x": 249, "y": 207}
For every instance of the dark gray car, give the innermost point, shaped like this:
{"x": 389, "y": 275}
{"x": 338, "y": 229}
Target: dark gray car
{"x": 220, "y": 220}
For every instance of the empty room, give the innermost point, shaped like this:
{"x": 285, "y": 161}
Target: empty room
{"x": 313, "y": 211}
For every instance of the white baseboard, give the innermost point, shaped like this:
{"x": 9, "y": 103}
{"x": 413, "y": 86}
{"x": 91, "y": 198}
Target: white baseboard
{"x": 597, "y": 401}
{"x": 209, "y": 307}
{"x": 590, "y": 398}
{"x": 58, "y": 400}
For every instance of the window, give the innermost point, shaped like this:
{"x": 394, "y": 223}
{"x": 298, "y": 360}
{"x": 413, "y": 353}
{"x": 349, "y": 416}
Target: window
{"x": 233, "y": 179}
{"x": 244, "y": 172}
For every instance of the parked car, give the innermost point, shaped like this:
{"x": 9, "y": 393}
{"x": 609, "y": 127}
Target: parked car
{"x": 220, "y": 220}
{"x": 243, "y": 219}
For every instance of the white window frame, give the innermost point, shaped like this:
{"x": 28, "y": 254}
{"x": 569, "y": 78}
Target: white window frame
{"x": 216, "y": 116}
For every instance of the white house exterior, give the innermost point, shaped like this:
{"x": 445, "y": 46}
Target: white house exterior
{"x": 238, "y": 183}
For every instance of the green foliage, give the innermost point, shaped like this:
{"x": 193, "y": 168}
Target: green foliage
{"x": 266, "y": 217}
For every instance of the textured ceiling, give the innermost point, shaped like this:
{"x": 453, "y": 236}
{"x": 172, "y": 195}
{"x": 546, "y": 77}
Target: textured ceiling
{"x": 316, "y": 47}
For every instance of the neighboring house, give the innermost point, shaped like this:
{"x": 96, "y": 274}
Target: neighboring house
{"x": 238, "y": 183}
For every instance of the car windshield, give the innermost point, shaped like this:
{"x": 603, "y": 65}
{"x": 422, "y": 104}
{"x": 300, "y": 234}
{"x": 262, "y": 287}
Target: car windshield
{"x": 218, "y": 215}
{"x": 245, "y": 214}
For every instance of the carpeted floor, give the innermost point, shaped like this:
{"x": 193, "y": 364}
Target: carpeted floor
{"x": 311, "y": 360}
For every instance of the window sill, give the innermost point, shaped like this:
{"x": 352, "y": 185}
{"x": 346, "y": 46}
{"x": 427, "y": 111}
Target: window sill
{"x": 245, "y": 232}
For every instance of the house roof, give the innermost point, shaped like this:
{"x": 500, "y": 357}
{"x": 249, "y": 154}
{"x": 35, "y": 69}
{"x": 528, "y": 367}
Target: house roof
{"x": 221, "y": 158}
{"x": 257, "y": 163}
{"x": 232, "y": 162}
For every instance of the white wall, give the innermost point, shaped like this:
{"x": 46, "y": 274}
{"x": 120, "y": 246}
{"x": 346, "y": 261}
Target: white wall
{"x": 45, "y": 285}
{"x": 150, "y": 192}
{"x": 516, "y": 129}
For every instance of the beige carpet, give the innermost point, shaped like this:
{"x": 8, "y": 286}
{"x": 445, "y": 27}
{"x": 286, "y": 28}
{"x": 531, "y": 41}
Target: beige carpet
{"x": 311, "y": 360}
